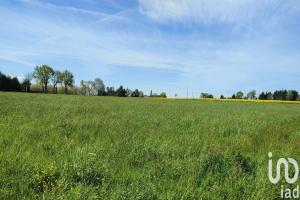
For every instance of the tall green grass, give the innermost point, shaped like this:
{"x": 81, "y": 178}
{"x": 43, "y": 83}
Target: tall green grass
{"x": 74, "y": 147}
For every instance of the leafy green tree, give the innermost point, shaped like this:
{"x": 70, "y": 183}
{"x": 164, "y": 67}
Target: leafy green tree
{"x": 135, "y": 93}
{"x": 99, "y": 86}
{"x": 280, "y": 95}
{"x": 222, "y": 97}
{"x": 110, "y": 91}
{"x": 9, "y": 84}
{"x": 26, "y": 83}
{"x": 163, "y": 95}
{"x": 15, "y": 84}
{"x": 292, "y": 95}
{"x": 269, "y": 95}
{"x": 262, "y": 96}
{"x": 239, "y": 95}
{"x": 206, "y": 96}
{"x": 265, "y": 96}
{"x": 251, "y": 94}
{"x": 67, "y": 80}
{"x": 83, "y": 88}
{"x": 88, "y": 88}
{"x": 128, "y": 92}
{"x": 121, "y": 92}
{"x": 43, "y": 74}
{"x": 56, "y": 79}
{"x": 94, "y": 88}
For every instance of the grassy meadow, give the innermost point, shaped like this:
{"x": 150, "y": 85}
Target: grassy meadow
{"x": 76, "y": 147}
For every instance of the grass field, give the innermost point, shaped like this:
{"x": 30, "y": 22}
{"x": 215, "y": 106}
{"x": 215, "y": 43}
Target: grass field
{"x": 75, "y": 147}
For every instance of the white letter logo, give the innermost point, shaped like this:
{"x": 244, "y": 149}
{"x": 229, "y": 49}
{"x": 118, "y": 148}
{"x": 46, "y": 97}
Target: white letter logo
{"x": 285, "y": 164}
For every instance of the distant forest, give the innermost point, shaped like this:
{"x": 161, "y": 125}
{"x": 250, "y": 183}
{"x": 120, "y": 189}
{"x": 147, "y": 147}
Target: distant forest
{"x": 53, "y": 81}
{"x": 283, "y": 95}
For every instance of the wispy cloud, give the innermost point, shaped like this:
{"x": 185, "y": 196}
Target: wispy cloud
{"x": 227, "y": 45}
{"x": 86, "y": 40}
{"x": 54, "y": 7}
{"x": 211, "y": 11}
{"x": 14, "y": 59}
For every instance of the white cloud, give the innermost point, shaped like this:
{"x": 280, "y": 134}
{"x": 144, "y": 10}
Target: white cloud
{"x": 207, "y": 11}
{"x": 53, "y": 7}
{"x": 95, "y": 42}
{"x": 92, "y": 42}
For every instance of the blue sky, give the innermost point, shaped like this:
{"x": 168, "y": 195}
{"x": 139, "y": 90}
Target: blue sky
{"x": 217, "y": 46}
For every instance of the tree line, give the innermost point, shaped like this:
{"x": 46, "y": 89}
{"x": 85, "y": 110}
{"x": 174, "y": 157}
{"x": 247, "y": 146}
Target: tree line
{"x": 9, "y": 84}
{"x": 97, "y": 88}
{"x": 44, "y": 74}
{"x": 285, "y": 95}
{"x": 46, "y": 77}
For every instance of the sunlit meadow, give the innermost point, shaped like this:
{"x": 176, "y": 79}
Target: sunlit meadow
{"x": 75, "y": 147}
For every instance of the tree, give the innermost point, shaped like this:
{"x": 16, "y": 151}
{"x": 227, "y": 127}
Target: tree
{"x": 251, "y": 94}
{"x": 94, "y": 88}
{"x": 121, "y": 92}
{"x": 262, "y": 96}
{"x": 9, "y": 84}
{"x": 15, "y": 85}
{"x": 265, "y": 96}
{"x": 269, "y": 95}
{"x": 292, "y": 95}
{"x": 280, "y": 95}
{"x": 163, "y": 95}
{"x": 42, "y": 74}
{"x": 99, "y": 86}
{"x": 206, "y": 96}
{"x": 83, "y": 88}
{"x": 110, "y": 91}
{"x": 26, "y": 83}
{"x": 67, "y": 80}
{"x": 56, "y": 78}
{"x": 233, "y": 96}
{"x": 222, "y": 97}
{"x": 128, "y": 92}
{"x": 88, "y": 88}
{"x": 141, "y": 93}
{"x": 239, "y": 95}
{"x": 3, "y": 82}
{"x": 135, "y": 93}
